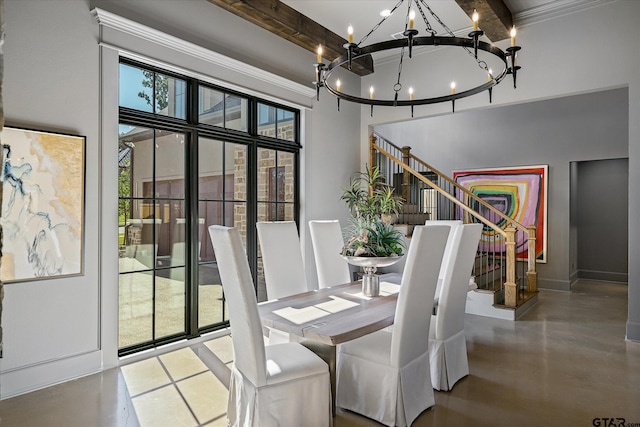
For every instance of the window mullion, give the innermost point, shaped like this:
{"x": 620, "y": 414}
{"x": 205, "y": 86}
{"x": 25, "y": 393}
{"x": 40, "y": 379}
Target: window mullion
{"x": 191, "y": 205}
{"x": 154, "y": 235}
{"x": 191, "y": 256}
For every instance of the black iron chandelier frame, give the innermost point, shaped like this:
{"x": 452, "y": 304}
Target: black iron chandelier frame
{"x": 508, "y": 57}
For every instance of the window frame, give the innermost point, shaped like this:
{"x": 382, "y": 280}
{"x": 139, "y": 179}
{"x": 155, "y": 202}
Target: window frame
{"x": 193, "y": 131}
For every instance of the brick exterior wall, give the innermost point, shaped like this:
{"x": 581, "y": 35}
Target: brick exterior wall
{"x": 240, "y": 190}
{"x": 266, "y": 161}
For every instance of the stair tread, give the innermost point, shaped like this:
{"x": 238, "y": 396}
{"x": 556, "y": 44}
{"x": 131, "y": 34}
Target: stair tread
{"x": 480, "y": 271}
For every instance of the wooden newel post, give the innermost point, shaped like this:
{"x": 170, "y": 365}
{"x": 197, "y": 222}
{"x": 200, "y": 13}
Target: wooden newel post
{"x": 532, "y": 275}
{"x": 372, "y": 151}
{"x": 510, "y": 291}
{"x": 406, "y": 155}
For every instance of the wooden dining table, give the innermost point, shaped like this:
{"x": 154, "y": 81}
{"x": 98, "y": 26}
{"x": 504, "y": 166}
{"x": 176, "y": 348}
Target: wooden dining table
{"x": 323, "y": 318}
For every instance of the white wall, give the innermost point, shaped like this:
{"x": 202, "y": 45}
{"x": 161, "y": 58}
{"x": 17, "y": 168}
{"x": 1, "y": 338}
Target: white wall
{"x": 58, "y": 78}
{"x": 330, "y": 163}
{"x": 588, "y": 51}
{"x": 51, "y": 83}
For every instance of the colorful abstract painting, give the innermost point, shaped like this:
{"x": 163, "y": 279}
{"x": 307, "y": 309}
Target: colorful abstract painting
{"x": 518, "y": 192}
{"x": 42, "y": 204}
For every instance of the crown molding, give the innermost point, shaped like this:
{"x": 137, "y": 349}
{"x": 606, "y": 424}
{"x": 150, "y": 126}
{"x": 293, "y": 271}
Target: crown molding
{"x": 144, "y": 32}
{"x": 555, "y": 9}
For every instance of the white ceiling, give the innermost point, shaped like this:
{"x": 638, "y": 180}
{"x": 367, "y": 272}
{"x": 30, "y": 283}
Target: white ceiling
{"x": 363, "y": 15}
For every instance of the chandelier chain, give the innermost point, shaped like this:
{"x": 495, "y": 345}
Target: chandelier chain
{"x": 398, "y": 85}
{"x": 437, "y": 18}
{"x": 482, "y": 64}
{"x": 426, "y": 21}
{"x": 380, "y": 23}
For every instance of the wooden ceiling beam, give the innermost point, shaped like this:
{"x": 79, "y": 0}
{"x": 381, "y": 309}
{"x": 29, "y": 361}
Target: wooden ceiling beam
{"x": 496, "y": 19}
{"x": 288, "y": 23}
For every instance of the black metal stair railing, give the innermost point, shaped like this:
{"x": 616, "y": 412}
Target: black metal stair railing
{"x": 430, "y": 195}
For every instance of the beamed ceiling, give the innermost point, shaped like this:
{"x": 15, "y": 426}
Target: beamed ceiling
{"x": 285, "y": 21}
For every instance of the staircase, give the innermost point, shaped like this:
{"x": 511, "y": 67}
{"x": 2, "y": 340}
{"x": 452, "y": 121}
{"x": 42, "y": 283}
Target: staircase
{"x": 504, "y": 271}
{"x": 409, "y": 217}
{"x": 488, "y": 299}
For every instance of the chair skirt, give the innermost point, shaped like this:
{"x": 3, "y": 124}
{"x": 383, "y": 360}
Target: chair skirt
{"x": 297, "y": 391}
{"x": 448, "y": 360}
{"x": 279, "y": 404}
{"x": 372, "y": 387}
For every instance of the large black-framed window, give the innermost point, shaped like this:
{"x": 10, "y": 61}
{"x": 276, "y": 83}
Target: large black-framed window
{"x": 192, "y": 154}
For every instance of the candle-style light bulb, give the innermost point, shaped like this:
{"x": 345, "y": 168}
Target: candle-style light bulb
{"x": 350, "y": 33}
{"x": 513, "y": 36}
{"x": 319, "y": 58}
{"x": 338, "y": 85}
{"x": 490, "y": 75}
{"x": 412, "y": 17}
{"x": 475, "y": 18}
{"x": 371, "y": 92}
{"x": 410, "y": 94}
{"x": 453, "y": 88}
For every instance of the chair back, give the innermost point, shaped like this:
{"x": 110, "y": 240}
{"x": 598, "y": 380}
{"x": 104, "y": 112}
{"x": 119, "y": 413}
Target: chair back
{"x": 448, "y": 250}
{"x": 413, "y": 310}
{"x": 246, "y": 327}
{"x": 453, "y": 298}
{"x": 326, "y": 238}
{"x": 281, "y": 259}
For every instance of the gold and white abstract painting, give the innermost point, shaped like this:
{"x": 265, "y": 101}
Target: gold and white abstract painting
{"x": 42, "y": 204}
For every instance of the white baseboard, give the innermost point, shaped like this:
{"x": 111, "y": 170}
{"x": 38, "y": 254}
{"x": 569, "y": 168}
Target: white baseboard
{"x": 35, "y": 377}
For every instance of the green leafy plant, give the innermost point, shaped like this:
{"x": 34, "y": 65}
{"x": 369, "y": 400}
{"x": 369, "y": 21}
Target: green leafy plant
{"x": 369, "y": 197}
{"x": 389, "y": 203}
{"x": 372, "y": 204}
{"x": 377, "y": 239}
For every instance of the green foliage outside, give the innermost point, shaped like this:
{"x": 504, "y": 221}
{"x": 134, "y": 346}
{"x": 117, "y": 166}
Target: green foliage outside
{"x": 160, "y": 86}
{"x": 161, "y": 90}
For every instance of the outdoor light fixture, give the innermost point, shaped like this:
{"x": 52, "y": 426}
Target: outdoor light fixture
{"x": 410, "y": 98}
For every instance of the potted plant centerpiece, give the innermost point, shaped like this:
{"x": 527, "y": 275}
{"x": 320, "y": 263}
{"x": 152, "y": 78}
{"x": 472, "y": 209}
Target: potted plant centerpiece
{"x": 372, "y": 241}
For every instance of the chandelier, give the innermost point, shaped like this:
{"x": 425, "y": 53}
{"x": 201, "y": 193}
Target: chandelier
{"x": 405, "y": 43}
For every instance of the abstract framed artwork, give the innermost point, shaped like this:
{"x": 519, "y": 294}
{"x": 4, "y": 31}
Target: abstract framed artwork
{"x": 518, "y": 192}
{"x": 43, "y": 178}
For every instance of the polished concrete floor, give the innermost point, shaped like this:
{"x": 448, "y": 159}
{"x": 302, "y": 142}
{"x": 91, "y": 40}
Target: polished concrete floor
{"x": 564, "y": 363}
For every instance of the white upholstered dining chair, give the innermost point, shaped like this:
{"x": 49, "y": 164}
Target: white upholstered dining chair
{"x": 327, "y": 242}
{"x": 386, "y": 375}
{"x": 448, "y": 251}
{"x": 447, "y": 343}
{"x": 396, "y": 277}
{"x": 279, "y": 385}
{"x": 284, "y": 273}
